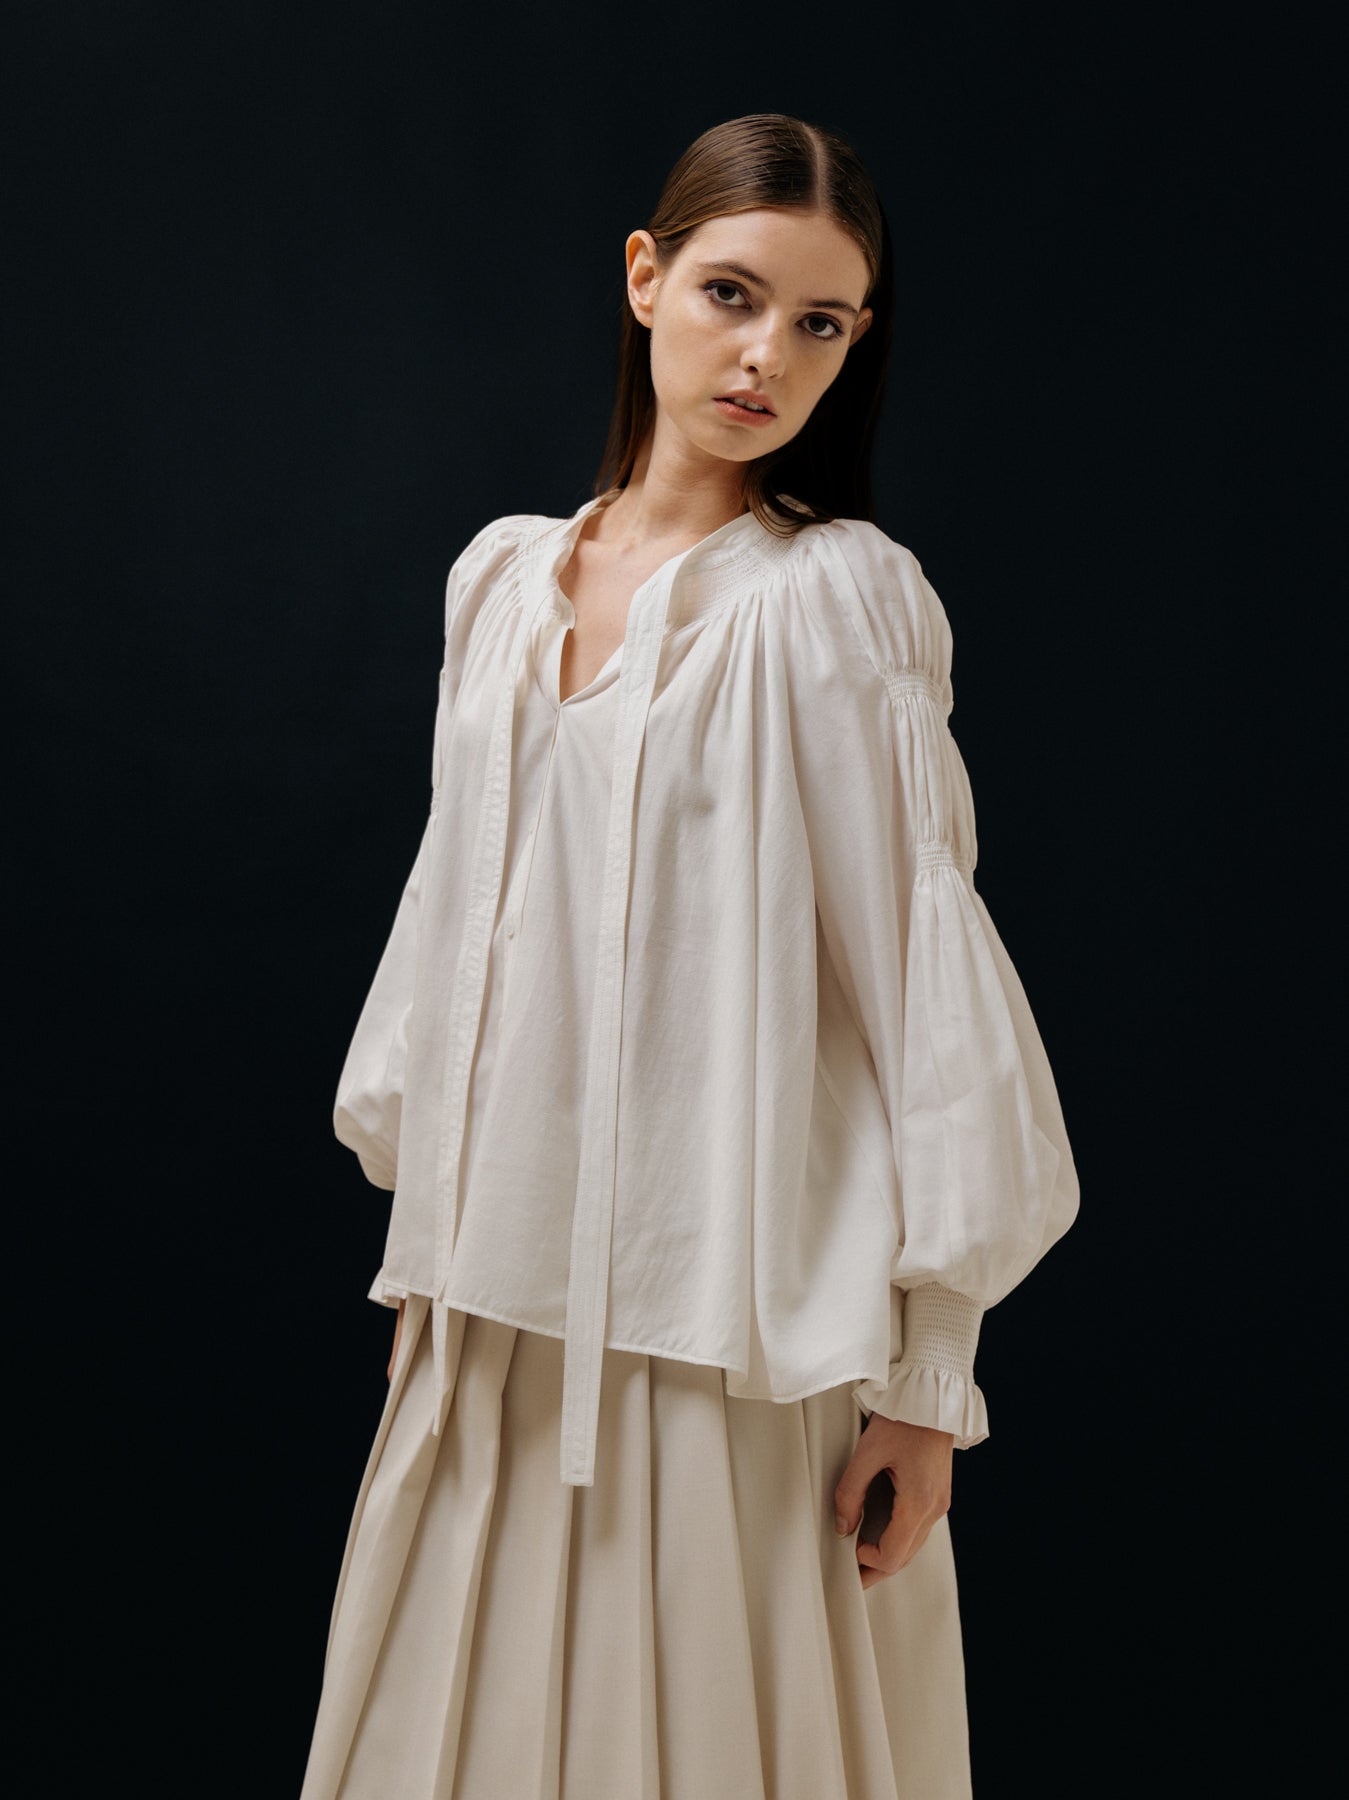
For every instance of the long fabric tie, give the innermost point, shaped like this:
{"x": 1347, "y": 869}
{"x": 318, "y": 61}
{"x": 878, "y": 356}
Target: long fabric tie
{"x": 592, "y": 1221}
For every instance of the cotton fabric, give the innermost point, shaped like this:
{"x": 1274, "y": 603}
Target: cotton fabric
{"x": 693, "y": 1037}
{"x": 686, "y": 1627}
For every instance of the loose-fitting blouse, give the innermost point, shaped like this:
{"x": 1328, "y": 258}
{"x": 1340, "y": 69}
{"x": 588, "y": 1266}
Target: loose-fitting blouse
{"x": 692, "y": 1035}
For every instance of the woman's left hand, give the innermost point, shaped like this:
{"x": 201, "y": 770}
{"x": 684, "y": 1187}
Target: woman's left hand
{"x": 917, "y": 1460}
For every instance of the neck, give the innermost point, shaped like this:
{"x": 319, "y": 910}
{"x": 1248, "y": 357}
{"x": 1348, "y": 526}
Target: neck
{"x": 676, "y": 494}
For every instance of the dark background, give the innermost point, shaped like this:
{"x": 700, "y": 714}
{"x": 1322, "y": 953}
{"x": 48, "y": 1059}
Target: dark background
{"x": 298, "y": 299}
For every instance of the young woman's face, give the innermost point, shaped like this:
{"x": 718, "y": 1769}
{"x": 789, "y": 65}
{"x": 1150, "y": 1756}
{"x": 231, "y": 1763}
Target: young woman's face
{"x": 763, "y": 303}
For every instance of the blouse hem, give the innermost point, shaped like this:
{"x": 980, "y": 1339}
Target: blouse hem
{"x": 385, "y": 1292}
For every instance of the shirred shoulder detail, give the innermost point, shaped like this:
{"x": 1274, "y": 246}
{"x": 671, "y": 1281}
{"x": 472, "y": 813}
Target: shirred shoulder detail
{"x": 881, "y": 596}
{"x": 477, "y": 570}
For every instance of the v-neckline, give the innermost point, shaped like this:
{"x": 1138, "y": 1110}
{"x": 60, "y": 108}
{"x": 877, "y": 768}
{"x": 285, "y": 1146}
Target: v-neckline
{"x": 724, "y": 544}
{"x": 551, "y": 665}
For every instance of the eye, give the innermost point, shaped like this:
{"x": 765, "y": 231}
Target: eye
{"x": 835, "y": 330}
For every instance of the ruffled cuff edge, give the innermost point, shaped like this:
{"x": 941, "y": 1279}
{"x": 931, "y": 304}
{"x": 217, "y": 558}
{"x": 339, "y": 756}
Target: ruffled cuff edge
{"x": 937, "y": 1398}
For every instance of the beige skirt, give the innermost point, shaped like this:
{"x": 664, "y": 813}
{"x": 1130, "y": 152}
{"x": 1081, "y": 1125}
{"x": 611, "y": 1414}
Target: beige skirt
{"x": 689, "y": 1628}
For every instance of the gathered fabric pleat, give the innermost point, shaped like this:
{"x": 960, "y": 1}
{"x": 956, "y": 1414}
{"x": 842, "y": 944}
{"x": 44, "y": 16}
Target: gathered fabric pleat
{"x": 689, "y": 1627}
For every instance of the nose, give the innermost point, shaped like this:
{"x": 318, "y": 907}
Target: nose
{"x": 765, "y": 353}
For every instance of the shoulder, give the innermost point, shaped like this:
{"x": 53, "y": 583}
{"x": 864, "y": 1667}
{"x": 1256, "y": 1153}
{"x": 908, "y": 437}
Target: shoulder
{"x": 880, "y": 587}
{"x": 499, "y": 538}
{"x": 491, "y": 554}
{"x": 874, "y": 606}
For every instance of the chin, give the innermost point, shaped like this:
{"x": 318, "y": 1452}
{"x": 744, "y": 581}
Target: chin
{"x": 741, "y": 446}
{"x": 732, "y": 443}
{"x": 723, "y": 451}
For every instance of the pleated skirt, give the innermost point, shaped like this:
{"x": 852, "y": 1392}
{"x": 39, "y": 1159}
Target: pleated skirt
{"x": 690, "y": 1627}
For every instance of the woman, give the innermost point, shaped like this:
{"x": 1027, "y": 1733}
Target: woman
{"x": 712, "y": 1107}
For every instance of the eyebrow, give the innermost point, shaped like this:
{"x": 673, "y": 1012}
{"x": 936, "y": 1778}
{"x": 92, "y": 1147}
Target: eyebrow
{"x": 767, "y": 286}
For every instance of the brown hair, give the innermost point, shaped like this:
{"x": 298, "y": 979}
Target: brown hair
{"x": 773, "y": 159}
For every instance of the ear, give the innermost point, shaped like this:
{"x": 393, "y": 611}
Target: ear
{"x": 860, "y": 324}
{"x": 643, "y": 276}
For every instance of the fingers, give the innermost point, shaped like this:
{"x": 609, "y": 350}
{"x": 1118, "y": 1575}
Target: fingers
{"x": 868, "y": 1459}
{"x": 902, "y": 1539}
{"x": 918, "y": 1461}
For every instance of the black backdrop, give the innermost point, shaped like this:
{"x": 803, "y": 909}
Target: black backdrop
{"x": 301, "y": 297}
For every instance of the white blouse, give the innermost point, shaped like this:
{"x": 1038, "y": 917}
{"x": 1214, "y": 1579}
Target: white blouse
{"x": 692, "y": 1035}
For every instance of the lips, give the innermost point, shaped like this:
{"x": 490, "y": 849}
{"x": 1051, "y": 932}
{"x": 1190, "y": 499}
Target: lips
{"x": 744, "y": 395}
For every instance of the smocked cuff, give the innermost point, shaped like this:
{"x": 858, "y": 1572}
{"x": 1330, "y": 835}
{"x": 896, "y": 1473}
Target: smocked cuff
{"x": 932, "y": 1381}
